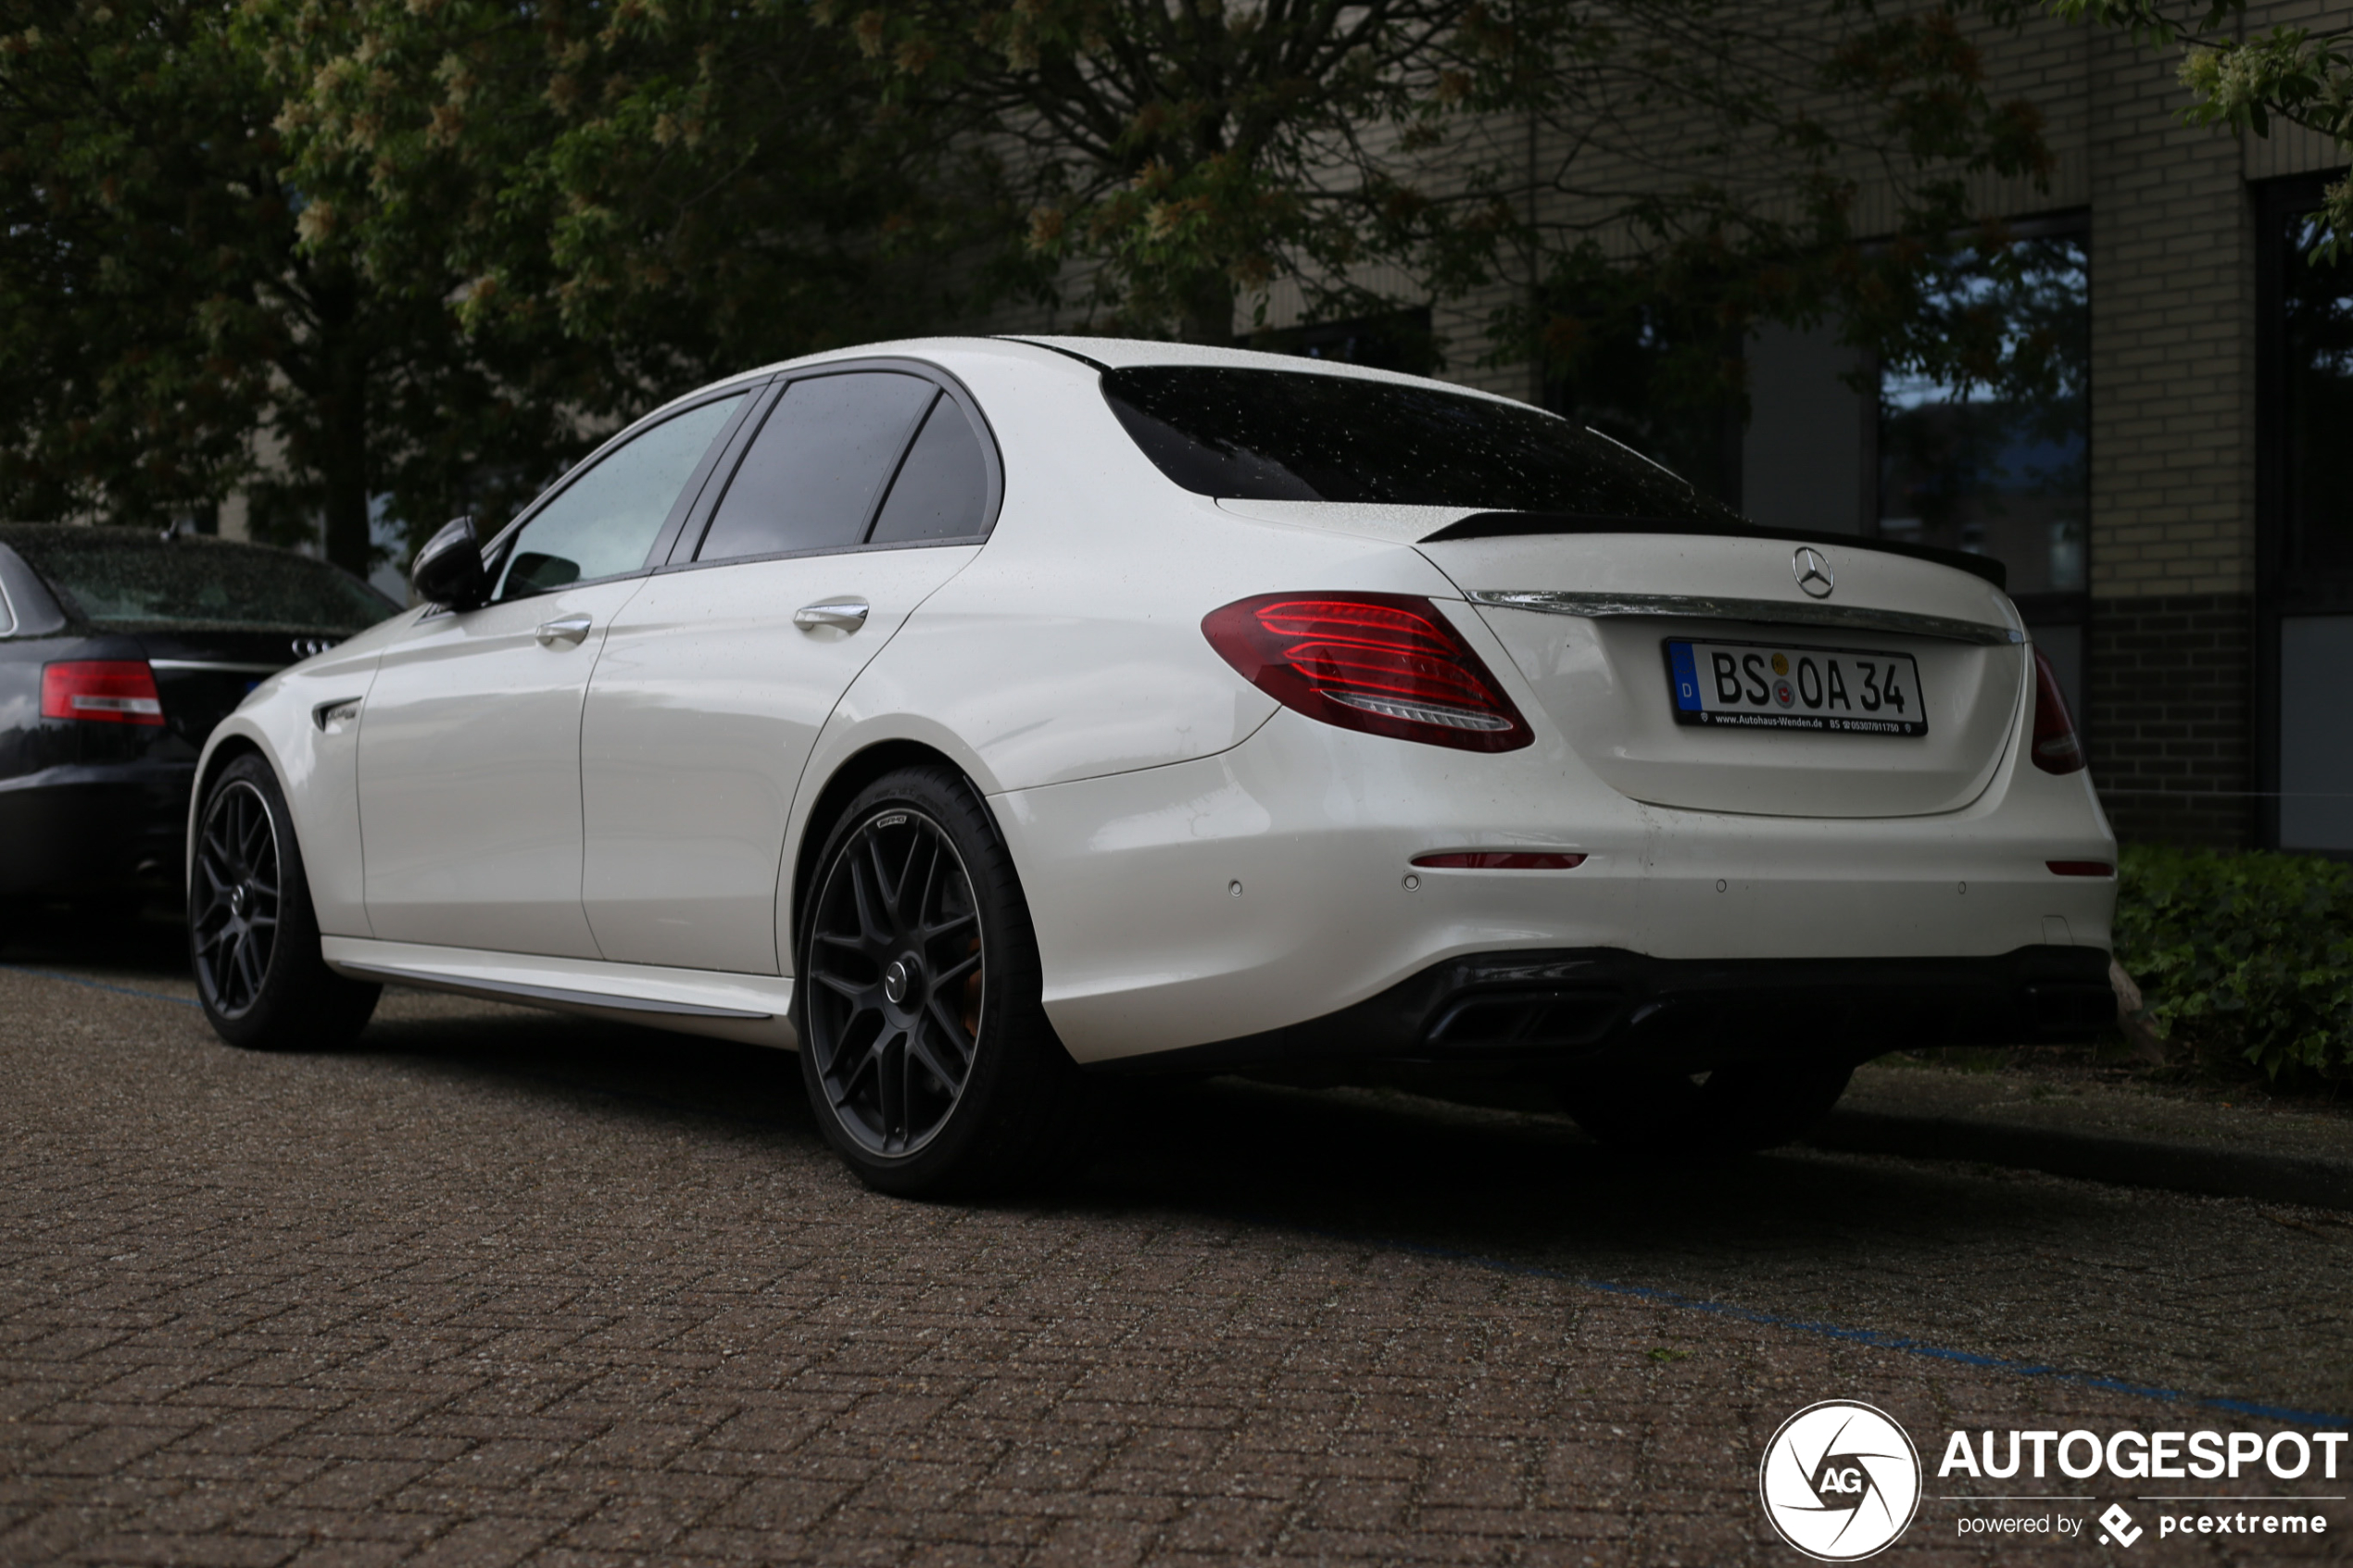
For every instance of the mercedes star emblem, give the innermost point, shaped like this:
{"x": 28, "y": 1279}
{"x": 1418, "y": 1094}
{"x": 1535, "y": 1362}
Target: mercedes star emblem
{"x": 1813, "y": 571}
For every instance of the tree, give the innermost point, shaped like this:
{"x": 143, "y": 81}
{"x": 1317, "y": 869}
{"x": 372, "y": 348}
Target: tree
{"x": 724, "y": 181}
{"x": 654, "y": 195}
{"x": 134, "y": 179}
{"x": 2301, "y": 75}
{"x": 1172, "y": 158}
{"x": 180, "y": 322}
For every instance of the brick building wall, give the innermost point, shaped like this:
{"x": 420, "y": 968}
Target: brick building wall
{"x": 2171, "y": 671}
{"x": 2168, "y": 720}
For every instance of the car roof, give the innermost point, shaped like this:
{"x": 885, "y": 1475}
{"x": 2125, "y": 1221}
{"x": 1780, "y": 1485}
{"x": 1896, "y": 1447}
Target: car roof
{"x": 121, "y": 535}
{"x": 1104, "y": 354}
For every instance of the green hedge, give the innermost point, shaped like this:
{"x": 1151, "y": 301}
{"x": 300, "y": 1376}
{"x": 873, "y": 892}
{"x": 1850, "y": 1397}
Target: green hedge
{"x": 2243, "y": 957}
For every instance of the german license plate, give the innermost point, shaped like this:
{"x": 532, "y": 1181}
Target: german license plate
{"x": 1777, "y": 686}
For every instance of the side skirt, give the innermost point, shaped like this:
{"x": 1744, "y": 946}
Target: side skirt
{"x": 751, "y": 1008}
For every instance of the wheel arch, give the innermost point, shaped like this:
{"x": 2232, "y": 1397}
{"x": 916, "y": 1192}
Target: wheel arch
{"x": 853, "y": 773}
{"x": 225, "y": 748}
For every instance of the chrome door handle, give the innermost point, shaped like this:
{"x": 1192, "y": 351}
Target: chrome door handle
{"x": 844, "y": 615}
{"x": 565, "y": 629}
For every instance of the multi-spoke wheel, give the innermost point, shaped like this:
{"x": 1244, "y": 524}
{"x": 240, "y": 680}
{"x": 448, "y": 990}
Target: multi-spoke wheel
{"x": 897, "y": 980}
{"x": 926, "y": 1056}
{"x": 232, "y": 907}
{"x": 252, "y": 936}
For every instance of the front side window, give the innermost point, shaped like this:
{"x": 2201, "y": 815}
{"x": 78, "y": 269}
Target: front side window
{"x": 1280, "y": 435}
{"x": 820, "y": 461}
{"x": 604, "y": 523}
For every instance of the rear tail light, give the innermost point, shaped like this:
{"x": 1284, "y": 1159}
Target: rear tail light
{"x": 2080, "y": 867}
{"x": 1389, "y": 664}
{"x": 1502, "y": 860}
{"x": 2057, "y": 750}
{"x": 103, "y": 691}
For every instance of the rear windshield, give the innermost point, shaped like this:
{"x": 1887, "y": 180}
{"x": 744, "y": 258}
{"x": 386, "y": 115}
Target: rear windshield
{"x": 1282, "y": 436}
{"x": 127, "y": 581}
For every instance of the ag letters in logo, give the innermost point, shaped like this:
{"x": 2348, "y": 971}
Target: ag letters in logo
{"x": 1840, "y": 1480}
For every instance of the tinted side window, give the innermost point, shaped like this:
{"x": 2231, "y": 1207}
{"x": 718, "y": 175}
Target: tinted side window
{"x": 605, "y": 523}
{"x": 812, "y": 475}
{"x": 942, "y": 488}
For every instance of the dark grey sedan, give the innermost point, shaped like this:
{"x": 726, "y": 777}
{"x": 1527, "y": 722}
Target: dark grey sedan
{"x": 120, "y": 649}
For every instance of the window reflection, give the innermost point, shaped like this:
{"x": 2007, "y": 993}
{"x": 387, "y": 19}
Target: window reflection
{"x": 2316, "y": 310}
{"x": 1995, "y": 464}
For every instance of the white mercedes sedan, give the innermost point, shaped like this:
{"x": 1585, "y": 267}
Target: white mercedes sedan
{"x": 975, "y": 715}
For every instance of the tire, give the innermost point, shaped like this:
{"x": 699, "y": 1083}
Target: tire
{"x": 928, "y": 1059}
{"x": 253, "y": 937}
{"x": 1732, "y": 1110}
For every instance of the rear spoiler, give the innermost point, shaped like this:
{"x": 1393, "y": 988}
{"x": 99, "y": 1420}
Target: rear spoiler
{"x": 1493, "y": 525}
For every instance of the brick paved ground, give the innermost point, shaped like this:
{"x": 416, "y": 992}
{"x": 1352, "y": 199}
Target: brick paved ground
{"x": 499, "y": 1287}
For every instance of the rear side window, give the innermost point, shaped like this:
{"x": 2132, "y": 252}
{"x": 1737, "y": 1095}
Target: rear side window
{"x": 1280, "y": 435}
{"x": 119, "y": 579}
{"x": 813, "y": 474}
{"x": 604, "y": 523}
{"x": 942, "y": 488}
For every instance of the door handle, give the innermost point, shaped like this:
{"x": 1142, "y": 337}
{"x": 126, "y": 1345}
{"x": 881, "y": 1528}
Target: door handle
{"x": 843, "y": 615}
{"x": 565, "y": 629}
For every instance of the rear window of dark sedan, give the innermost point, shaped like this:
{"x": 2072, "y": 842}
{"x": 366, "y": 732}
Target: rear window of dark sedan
{"x": 126, "y": 581}
{"x": 1279, "y": 435}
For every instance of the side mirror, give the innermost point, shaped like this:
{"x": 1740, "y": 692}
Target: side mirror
{"x": 449, "y": 570}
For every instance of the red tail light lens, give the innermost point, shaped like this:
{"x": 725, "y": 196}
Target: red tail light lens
{"x": 2080, "y": 867}
{"x": 1385, "y": 663}
{"x": 1502, "y": 860}
{"x": 102, "y": 691}
{"x": 2057, "y": 750}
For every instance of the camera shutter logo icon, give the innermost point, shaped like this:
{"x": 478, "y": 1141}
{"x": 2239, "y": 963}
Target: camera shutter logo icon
{"x": 1840, "y": 1481}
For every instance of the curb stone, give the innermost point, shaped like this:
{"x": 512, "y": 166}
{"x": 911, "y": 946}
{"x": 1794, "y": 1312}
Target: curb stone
{"x": 2171, "y": 1167}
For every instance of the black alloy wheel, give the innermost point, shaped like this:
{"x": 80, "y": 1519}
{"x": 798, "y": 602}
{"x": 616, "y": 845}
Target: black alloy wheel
{"x": 253, "y": 937}
{"x": 926, "y": 1055}
{"x": 897, "y": 975}
{"x": 233, "y": 924}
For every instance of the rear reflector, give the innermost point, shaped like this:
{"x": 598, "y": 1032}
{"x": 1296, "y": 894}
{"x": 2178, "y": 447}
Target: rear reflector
{"x": 2057, "y": 750}
{"x": 1389, "y": 664}
{"x": 2080, "y": 867}
{"x": 1501, "y": 860}
{"x": 101, "y": 691}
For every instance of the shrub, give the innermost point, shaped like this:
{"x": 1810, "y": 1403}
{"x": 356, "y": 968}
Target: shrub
{"x": 2242, "y": 957}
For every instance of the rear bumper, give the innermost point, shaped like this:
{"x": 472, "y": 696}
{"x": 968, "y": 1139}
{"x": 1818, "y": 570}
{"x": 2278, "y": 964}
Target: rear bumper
{"x": 114, "y": 827}
{"x": 1600, "y": 1006}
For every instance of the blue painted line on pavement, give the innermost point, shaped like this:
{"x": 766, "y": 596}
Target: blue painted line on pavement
{"x": 101, "y": 986}
{"x": 1876, "y": 1338}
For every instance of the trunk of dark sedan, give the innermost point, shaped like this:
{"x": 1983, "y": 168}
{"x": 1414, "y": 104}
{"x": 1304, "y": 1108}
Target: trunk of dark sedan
{"x": 203, "y": 674}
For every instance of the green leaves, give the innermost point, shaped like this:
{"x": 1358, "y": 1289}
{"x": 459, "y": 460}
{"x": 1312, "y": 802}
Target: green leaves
{"x": 134, "y": 181}
{"x": 2298, "y": 75}
{"x": 2243, "y": 957}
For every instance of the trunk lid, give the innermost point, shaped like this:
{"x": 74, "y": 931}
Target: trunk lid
{"x": 1588, "y": 617}
{"x": 203, "y": 674}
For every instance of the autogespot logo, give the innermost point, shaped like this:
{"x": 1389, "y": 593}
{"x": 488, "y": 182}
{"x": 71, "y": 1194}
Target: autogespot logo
{"x": 1840, "y": 1480}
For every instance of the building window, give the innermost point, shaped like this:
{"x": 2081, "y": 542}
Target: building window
{"x": 1621, "y": 375}
{"x": 1997, "y": 465}
{"x": 1395, "y": 340}
{"x": 2305, "y": 515}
